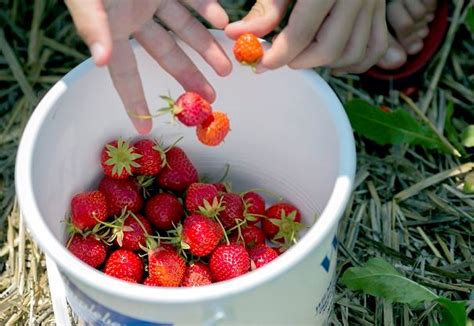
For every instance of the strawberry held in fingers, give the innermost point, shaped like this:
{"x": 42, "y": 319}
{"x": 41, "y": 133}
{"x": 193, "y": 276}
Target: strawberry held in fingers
{"x": 125, "y": 265}
{"x": 88, "y": 209}
{"x": 166, "y": 267}
{"x": 213, "y": 130}
{"x": 152, "y": 158}
{"x": 118, "y": 159}
{"x": 179, "y": 172}
{"x": 164, "y": 210}
{"x": 89, "y": 249}
{"x": 190, "y": 108}
{"x": 229, "y": 261}
{"x": 120, "y": 194}
{"x": 248, "y": 50}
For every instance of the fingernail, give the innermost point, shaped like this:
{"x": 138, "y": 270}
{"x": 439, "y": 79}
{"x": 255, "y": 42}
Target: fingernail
{"x": 415, "y": 47}
{"x": 423, "y": 32}
{"x": 393, "y": 56}
{"x": 430, "y": 17}
{"x": 97, "y": 51}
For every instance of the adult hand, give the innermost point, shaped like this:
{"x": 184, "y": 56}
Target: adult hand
{"x": 346, "y": 35}
{"x": 106, "y": 25}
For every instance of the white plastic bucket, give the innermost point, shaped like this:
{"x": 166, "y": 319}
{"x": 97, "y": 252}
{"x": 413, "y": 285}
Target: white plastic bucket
{"x": 289, "y": 134}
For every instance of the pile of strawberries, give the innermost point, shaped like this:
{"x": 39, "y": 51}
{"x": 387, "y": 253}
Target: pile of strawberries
{"x": 152, "y": 221}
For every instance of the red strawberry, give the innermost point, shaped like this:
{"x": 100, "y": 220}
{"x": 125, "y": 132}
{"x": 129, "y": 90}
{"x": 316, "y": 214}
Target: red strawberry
{"x": 125, "y": 265}
{"x": 201, "y": 234}
{"x": 166, "y": 267}
{"x": 282, "y": 223}
{"x": 261, "y": 254}
{"x": 121, "y": 194}
{"x": 89, "y": 249}
{"x": 254, "y": 207}
{"x": 190, "y": 108}
{"x": 251, "y": 234}
{"x": 163, "y": 210}
{"x": 247, "y": 49}
{"x": 152, "y": 157}
{"x": 118, "y": 159}
{"x": 132, "y": 231}
{"x": 229, "y": 261}
{"x": 197, "y": 194}
{"x": 214, "y": 129}
{"x": 151, "y": 282}
{"x": 221, "y": 187}
{"x": 197, "y": 274}
{"x": 88, "y": 208}
{"x": 179, "y": 172}
{"x": 232, "y": 209}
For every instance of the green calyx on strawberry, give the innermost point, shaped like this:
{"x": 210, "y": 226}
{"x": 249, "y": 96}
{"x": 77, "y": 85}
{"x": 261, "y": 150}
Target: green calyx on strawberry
{"x": 190, "y": 108}
{"x": 288, "y": 228}
{"x": 119, "y": 158}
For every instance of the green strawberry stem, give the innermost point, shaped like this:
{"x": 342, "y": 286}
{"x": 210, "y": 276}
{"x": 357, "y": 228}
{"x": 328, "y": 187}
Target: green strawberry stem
{"x": 226, "y": 172}
{"x": 237, "y": 226}
{"x": 223, "y": 230}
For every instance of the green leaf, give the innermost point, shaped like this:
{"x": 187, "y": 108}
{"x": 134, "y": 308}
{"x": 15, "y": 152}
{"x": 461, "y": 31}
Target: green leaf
{"x": 451, "y": 132}
{"x": 453, "y": 313}
{"x": 468, "y": 136}
{"x": 395, "y": 127}
{"x": 377, "y": 277}
{"x": 470, "y": 19}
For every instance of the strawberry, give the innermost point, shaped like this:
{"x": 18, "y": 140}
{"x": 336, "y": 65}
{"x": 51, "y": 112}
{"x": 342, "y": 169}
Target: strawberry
{"x": 214, "y": 129}
{"x": 121, "y": 193}
{"x": 229, "y": 261}
{"x": 247, "y": 49}
{"x": 88, "y": 209}
{"x": 201, "y": 234}
{"x": 118, "y": 159}
{"x": 190, "y": 108}
{"x": 152, "y": 157}
{"x": 261, "y": 255}
{"x": 151, "y": 282}
{"x": 197, "y": 274}
{"x": 221, "y": 187}
{"x": 166, "y": 267}
{"x": 164, "y": 210}
{"x": 199, "y": 193}
{"x": 89, "y": 249}
{"x": 251, "y": 236}
{"x": 233, "y": 209}
{"x": 254, "y": 207}
{"x": 179, "y": 172}
{"x": 282, "y": 223}
{"x": 131, "y": 232}
{"x": 125, "y": 265}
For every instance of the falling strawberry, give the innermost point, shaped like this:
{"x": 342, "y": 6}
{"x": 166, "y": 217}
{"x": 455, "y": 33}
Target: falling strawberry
{"x": 190, "y": 108}
{"x": 166, "y": 267}
{"x": 282, "y": 223}
{"x": 214, "y": 129}
{"x": 164, "y": 210}
{"x": 248, "y": 49}
{"x": 120, "y": 194}
{"x": 261, "y": 255}
{"x": 118, "y": 159}
{"x": 197, "y": 274}
{"x": 152, "y": 157}
{"x": 229, "y": 261}
{"x": 88, "y": 248}
{"x": 254, "y": 207}
{"x": 88, "y": 209}
{"x": 250, "y": 235}
{"x": 199, "y": 193}
{"x": 131, "y": 231}
{"x": 201, "y": 234}
{"x": 179, "y": 172}
{"x": 125, "y": 265}
{"x": 233, "y": 209}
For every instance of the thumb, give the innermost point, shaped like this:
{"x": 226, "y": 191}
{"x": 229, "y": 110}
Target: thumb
{"x": 264, "y": 16}
{"x": 91, "y": 22}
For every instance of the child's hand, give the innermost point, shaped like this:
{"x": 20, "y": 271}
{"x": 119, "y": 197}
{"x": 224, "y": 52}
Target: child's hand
{"x": 107, "y": 25}
{"x": 346, "y": 35}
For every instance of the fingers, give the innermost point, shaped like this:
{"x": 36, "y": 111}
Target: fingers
{"x": 305, "y": 20}
{"x": 92, "y": 25}
{"x": 416, "y": 9}
{"x": 377, "y": 44}
{"x": 211, "y": 10}
{"x": 357, "y": 44}
{"x": 124, "y": 72}
{"x": 172, "y": 59}
{"x": 332, "y": 37}
{"x": 395, "y": 57}
{"x": 264, "y": 16}
{"x": 192, "y": 32}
